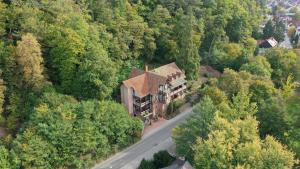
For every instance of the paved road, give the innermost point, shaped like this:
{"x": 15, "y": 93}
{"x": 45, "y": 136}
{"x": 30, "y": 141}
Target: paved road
{"x": 156, "y": 140}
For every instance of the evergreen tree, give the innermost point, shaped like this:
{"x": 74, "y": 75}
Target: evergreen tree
{"x": 268, "y": 30}
{"x": 188, "y": 42}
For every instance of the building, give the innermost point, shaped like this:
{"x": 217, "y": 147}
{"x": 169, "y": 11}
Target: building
{"x": 267, "y": 43}
{"x": 147, "y": 93}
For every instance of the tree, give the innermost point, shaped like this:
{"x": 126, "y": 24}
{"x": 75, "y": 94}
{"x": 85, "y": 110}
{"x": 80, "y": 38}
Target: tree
{"x": 273, "y": 118}
{"x": 233, "y": 82}
{"x": 233, "y": 144}
{"x": 30, "y": 61}
{"x": 228, "y": 55}
{"x": 216, "y": 94}
{"x": 262, "y": 90}
{"x": 97, "y": 74}
{"x": 188, "y": 43}
{"x": 282, "y": 62}
{"x": 2, "y": 100}
{"x": 268, "y": 30}
{"x": 2, "y": 18}
{"x": 289, "y": 87}
{"x": 258, "y": 66}
{"x": 185, "y": 135}
{"x": 162, "y": 159}
{"x": 4, "y": 158}
{"x": 71, "y": 134}
{"x": 146, "y": 164}
{"x": 279, "y": 32}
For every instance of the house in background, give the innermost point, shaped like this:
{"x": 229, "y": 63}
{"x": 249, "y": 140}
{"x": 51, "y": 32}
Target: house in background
{"x": 265, "y": 44}
{"x": 147, "y": 93}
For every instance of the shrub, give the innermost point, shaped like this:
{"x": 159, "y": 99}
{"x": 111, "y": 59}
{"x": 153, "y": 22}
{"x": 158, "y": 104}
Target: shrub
{"x": 146, "y": 164}
{"x": 162, "y": 159}
{"x": 175, "y": 105}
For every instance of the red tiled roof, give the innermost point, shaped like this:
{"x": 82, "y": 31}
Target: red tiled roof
{"x": 145, "y": 83}
{"x": 135, "y": 72}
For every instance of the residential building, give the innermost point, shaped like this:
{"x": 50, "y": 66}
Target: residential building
{"x": 265, "y": 44}
{"x": 147, "y": 93}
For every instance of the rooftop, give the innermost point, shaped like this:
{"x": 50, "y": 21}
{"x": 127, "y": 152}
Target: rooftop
{"x": 147, "y": 82}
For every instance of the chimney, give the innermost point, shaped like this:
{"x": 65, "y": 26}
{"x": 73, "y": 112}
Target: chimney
{"x": 146, "y": 68}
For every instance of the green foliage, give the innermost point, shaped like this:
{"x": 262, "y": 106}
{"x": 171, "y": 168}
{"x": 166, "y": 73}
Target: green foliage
{"x": 65, "y": 132}
{"x": 293, "y": 135}
{"x": 161, "y": 159}
{"x": 289, "y": 87}
{"x": 216, "y": 94}
{"x": 229, "y": 20}
{"x": 231, "y": 144}
{"x": 232, "y": 82}
{"x": 96, "y": 75}
{"x": 174, "y": 106}
{"x": 279, "y": 31}
{"x": 273, "y": 118}
{"x": 30, "y": 62}
{"x": 4, "y": 158}
{"x": 275, "y": 30}
{"x": 146, "y": 164}
{"x": 232, "y": 137}
{"x": 258, "y": 66}
{"x": 189, "y": 40}
{"x": 268, "y": 30}
{"x": 283, "y": 62}
{"x": 185, "y": 134}
{"x": 2, "y": 100}
{"x": 87, "y": 48}
{"x": 2, "y": 18}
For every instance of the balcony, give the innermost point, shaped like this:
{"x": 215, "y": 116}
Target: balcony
{"x": 178, "y": 90}
{"x": 141, "y": 104}
{"x": 146, "y": 113}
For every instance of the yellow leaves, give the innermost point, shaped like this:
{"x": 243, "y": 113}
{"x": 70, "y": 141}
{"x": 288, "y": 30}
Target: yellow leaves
{"x": 30, "y": 61}
{"x": 42, "y": 109}
{"x": 291, "y": 31}
{"x": 289, "y": 87}
{"x": 217, "y": 95}
{"x": 24, "y": 147}
{"x": 73, "y": 41}
{"x": 233, "y": 50}
{"x": 67, "y": 115}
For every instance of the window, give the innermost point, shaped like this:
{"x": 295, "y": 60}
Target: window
{"x": 161, "y": 88}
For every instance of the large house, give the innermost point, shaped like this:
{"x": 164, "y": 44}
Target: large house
{"x": 147, "y": 93}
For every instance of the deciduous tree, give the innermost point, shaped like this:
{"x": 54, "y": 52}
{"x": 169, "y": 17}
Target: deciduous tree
{"x": 30, "y": 61}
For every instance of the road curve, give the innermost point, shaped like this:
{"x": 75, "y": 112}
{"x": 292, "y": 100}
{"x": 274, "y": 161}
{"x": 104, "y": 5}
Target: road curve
{"x": 156, "y": 140}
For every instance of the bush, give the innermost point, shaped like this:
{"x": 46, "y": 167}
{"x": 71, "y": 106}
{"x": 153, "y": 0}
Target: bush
{"x": 175, "y": 105}
{"x": 160, "y": 160}
{"x": 146, "y": 164}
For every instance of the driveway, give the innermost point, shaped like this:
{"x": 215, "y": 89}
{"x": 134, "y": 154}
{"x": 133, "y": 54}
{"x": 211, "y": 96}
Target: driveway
{"x": 154, "y": 141}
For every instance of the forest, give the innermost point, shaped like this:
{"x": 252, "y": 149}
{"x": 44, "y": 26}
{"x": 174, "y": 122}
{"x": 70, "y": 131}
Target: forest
{"x": 62, "y": 63}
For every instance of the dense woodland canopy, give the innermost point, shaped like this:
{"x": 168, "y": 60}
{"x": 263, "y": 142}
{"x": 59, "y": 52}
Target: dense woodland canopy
{"x": 62, "y": 63}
